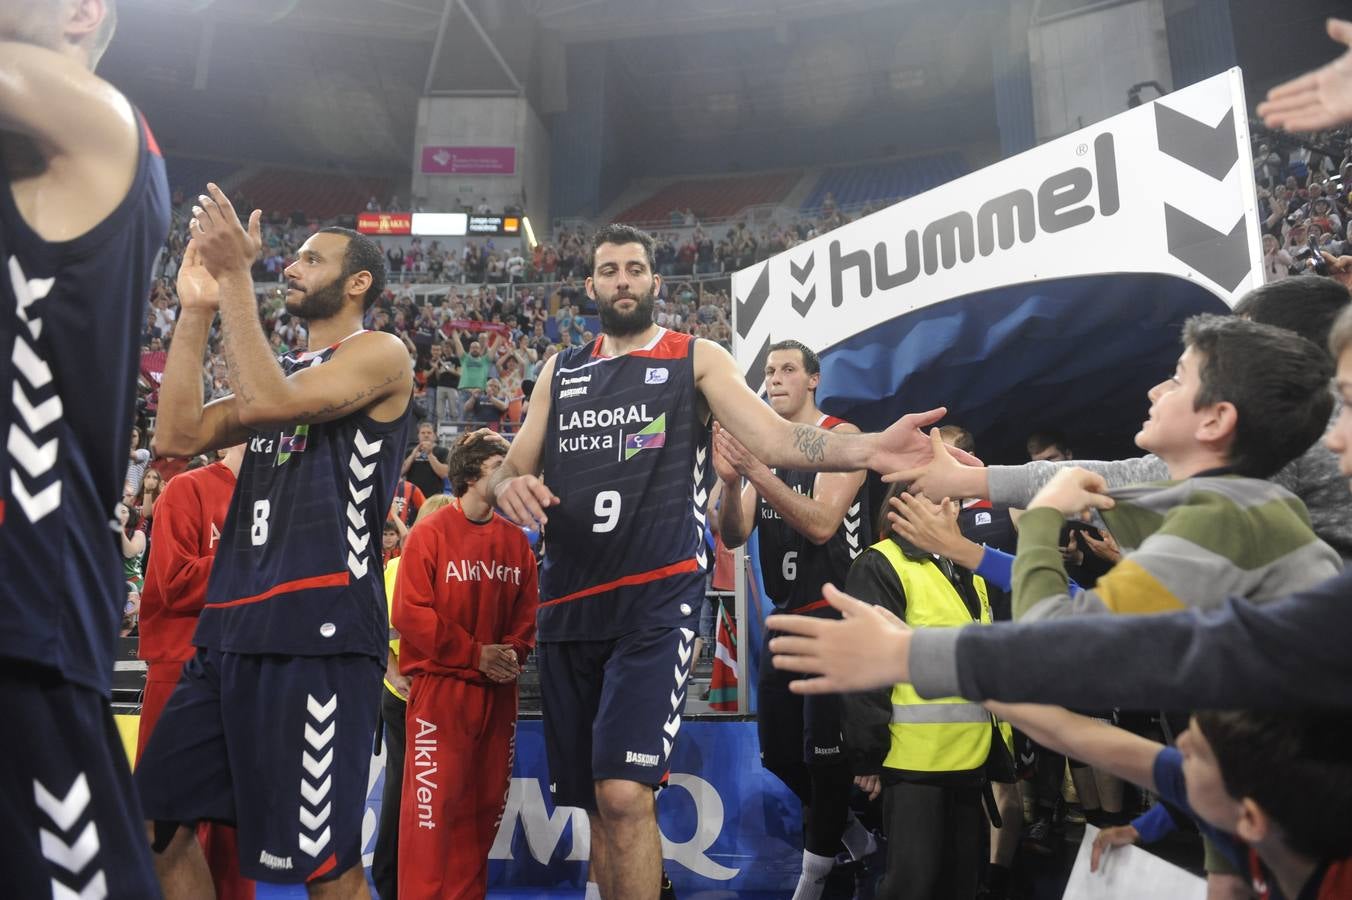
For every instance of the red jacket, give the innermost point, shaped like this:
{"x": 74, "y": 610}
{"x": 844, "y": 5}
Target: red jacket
{"x": 189, "y": 518}
{"x": 461, "y": 585}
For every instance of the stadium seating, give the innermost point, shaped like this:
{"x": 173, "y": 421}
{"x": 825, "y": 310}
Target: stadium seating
{"x": 712, "y": 198}
{"x": 887, "y": 182}
{"x": 191, "y": 175}
{"x": 321, "y": 195}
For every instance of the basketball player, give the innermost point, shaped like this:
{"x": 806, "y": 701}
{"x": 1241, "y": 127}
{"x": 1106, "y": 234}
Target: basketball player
{"x": 619, "y": 428}
{"x": 84, "y": 209}
{"x": 811, "y": 528}
{"x": 272, "y": 723}
{"x": 189, "y": 522}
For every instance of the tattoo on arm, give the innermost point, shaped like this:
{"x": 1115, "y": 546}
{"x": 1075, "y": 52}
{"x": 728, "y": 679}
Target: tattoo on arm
{"x": 811, "y": 442}
{"x": 350, "y": 402}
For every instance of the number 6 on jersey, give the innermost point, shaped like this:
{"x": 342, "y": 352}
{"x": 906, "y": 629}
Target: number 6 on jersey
{"x": 607, "y": 510}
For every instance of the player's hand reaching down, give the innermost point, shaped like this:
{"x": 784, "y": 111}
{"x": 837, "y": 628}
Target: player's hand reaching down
{"x": 224, "y": 244}
{"x": 524, "y": 499}
{"x": 867, "y": 649}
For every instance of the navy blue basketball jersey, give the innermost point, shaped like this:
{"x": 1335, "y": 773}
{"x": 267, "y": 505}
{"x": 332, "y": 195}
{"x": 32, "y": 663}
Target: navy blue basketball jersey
{"x": 793, "y": 567}
{"x": 627, "y": 454}
{"x": 70, "y": 327}
{"x": 298, "y": 569}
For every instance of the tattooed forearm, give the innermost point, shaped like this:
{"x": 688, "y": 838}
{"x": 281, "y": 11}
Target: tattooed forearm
{"x": 344, "y": 406}
{"x": 811, "y": 442}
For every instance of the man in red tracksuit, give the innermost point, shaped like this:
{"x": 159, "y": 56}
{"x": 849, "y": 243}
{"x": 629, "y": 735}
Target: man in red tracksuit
{"x": 189, "y": 517}
{"x": 464, "y": 606}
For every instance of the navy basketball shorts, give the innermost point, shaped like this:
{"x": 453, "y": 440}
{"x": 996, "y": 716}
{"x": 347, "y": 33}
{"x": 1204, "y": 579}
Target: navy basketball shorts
{"x": 278, "y": 746}
{"x": 795, "y": 729}
{"x": 70, "y": 823}
{"x": 612, "y": 709}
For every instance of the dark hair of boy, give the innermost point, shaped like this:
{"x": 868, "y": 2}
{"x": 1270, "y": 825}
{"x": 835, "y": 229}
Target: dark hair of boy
{"x": 1307, "y": 305}
{"x": 1297, "y": 768}
{"x": 468, "y": 456}
{"x": 1276, "y": 380}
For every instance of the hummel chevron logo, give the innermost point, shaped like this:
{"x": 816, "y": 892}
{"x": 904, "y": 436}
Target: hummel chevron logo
{"x": 354, "y": 516}
{"x": 315, "y": 795}
{"x": 318, "y": 712}
{"x": 755, "y": 376}
{"x": 35, "y": 460}
{"x": 40, "y": 416}
{"x": 801, "y": 274}
{"x": 359, "y": 496}
{"x": 1211, "y": 151}
{"x": 312, "y": 821}
{"x": 701, "y": 495}
{"x": 71, "y": 857}
{"x": 687, "y": 634}
{"x": 97, "y": 889}
{"x": 1224, "y": 258}
{"x": 356, "y": 565}
{"x": 316, "y": 767}
{"x": 66, "y": 810}
{"x": 358, "y": 544}
{"x": 673, "y": 725}
{"x": 683, "y": 652}
{"x": 35, "y": 506}
{"x": 313, "y": 847}
{"x": 367, "y": 449}
{"x": 666, "y": 747}
{"x": 360, "y": 472}
{"x": 28, "y": 362}
{"x": 750, "y": 307}
{"x": 28, "y": 291}
{"x": 318, "y": 739}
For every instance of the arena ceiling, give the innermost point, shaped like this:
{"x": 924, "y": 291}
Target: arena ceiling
{"x": 335, "y": 83}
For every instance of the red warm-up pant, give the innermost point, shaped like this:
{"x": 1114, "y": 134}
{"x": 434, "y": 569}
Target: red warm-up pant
{"x": 218, "y": 841}
{"x": 459, "y": 741}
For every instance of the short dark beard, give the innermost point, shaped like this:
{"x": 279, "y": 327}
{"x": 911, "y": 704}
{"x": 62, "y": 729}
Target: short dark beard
{"x": 618, "y": 324}
{"x": 321, "y": 303}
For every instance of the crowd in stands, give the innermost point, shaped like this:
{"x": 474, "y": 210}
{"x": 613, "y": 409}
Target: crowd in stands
{"x": 1304, "y": 202}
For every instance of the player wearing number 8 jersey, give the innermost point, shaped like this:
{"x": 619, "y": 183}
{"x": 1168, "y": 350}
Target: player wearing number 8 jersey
{"x": 619, "y": 429}
{"x": 272, "y": 722}
{"x": 811, "y": 528}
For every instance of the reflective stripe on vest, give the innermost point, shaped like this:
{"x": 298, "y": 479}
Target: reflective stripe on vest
{"x": 947, "y": 734}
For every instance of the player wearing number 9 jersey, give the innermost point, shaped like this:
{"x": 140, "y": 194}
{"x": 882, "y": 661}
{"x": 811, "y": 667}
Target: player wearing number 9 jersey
{"x": 619, "y": 430}
{"x": 272, "y": 722}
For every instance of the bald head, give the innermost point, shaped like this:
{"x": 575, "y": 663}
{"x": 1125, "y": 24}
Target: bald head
{"x": 82, "y": 28}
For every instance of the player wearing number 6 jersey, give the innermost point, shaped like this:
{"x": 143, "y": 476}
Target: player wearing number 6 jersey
{"x": 811, "y": 528}
{"x": 272, "y": 722}
{"x": 620, "y": 431}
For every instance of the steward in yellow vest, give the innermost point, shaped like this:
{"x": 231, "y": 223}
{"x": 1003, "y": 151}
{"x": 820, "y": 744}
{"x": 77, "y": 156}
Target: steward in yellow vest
{"x": 933, "y": 759}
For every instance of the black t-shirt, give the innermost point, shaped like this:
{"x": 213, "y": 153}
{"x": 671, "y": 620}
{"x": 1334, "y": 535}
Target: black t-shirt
{"x": 422, "y": 476}
{"x": 446, "y": 377}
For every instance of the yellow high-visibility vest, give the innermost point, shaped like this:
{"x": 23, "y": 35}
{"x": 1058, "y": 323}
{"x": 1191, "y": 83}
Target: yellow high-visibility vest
{"x": 948, "y": 734}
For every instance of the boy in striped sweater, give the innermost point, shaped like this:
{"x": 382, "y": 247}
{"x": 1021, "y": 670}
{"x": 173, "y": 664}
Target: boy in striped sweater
{"x": 1244, "y": 400}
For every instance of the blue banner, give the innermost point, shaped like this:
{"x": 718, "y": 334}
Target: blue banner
{"x": 726, "y": 823}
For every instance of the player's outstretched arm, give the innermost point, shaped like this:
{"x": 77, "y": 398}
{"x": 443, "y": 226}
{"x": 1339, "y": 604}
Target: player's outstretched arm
{"x": 1106, "y": 747}
{"x": 777, "y": 442}
{"x": 517, "y": 490}
{"x": 816, "y": 517}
